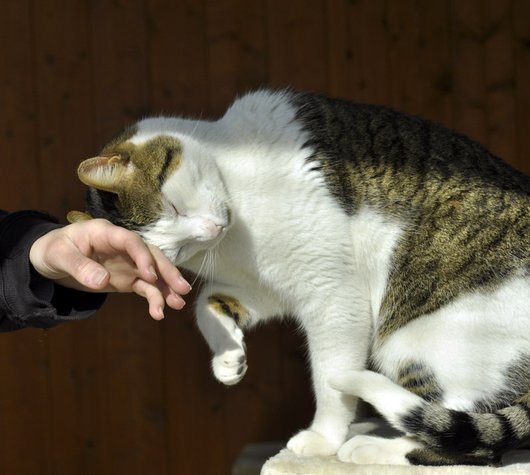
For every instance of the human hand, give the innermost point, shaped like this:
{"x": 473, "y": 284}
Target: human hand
{"x": 97, "y": 256}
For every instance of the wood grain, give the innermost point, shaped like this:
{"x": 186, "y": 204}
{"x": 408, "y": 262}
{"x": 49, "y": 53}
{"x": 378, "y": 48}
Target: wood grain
{"x": 119, "y": 393}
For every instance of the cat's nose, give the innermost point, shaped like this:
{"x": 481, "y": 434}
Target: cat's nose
{"x": 212, "y": 229}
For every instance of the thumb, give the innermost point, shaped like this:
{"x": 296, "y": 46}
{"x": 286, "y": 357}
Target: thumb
{"x": 71, "y": 265}
{"x": 86, "y": 271}
{"x": 55, "y": 256}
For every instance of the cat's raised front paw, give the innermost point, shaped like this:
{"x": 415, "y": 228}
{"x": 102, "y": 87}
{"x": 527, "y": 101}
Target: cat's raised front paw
{"x": 366, "y": 449}
{"x": 309, "y": 442}
{"x": 230, "y": 367}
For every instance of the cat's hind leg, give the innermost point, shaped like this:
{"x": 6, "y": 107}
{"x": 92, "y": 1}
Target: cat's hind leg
{"x": 367, "y": 449}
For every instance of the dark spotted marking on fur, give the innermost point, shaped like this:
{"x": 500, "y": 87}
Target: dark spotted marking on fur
{"x": 418, "y": 379}
{"x": 516, "y": 388}
{"x": 430, "y": 456}
{"x": 480, "y": 437}
{"x": 229, "y": 306}
{"x": 171, "y": 154}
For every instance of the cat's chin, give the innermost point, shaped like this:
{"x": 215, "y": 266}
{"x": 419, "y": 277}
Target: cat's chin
{"x": 193, "y": 253}
{"x": 180, "y": 247}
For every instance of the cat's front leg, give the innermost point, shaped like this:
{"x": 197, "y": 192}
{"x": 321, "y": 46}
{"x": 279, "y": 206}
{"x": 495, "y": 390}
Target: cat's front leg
{"x": 222, "y": 314}
{"x": 220, "y": 318}
{"x": 335, "y": 344}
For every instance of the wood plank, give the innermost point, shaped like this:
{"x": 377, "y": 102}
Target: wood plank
{"x": 298, "y": 406}
{"x": 236, "y": 50}
{"x": 435, "y": 60}
{"x": 24, "y": 402}
{"x": 24, "y": 396}
{"x": 78, "y": 388}
{"x": 252, "y": 66}
{"x": 403, "y": 40}
{"x": 178, "y": 57}
{"x": 358, "y": 56}
{"x": 64, "y": 101}
{"x": 521, "y": 28}
{"x": 297, "y": 53}
{"x": 469, "y": 108}
{"x": 136, "y": 405}
{"x": 19, "y": 165}
{"x": 499, "y": 74}
{"x": 120, "y": 76}
{"x": 224, "y": 45}
{"x": 196, "y": 401}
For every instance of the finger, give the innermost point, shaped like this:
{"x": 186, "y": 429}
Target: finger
{"x": 92, "y": 274}
{"x": 83, "y": 269}
{"x": 172, "y": 299}
{"x": 169, "y": 274}
{"x": 153, "y": 296}
{"x": 124, "y": 240}
{"x": 175, "y": 301}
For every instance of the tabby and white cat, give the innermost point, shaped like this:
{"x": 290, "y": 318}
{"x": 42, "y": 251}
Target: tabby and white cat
{"x": 396, "y": 244}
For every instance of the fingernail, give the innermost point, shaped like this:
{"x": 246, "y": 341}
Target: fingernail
{"x": 185, "y": 282}
{"x": 181, "y": 301}
{"x": 97, "y": 277}
{"x": 152, "y": 271}
{"x": 161, "y": 313}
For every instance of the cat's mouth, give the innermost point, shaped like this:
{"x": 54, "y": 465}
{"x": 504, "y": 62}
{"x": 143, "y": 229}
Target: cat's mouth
{"x": 181, "y": 238}
{"x": 208, "y": 230}
{"x": 207, "y": 234}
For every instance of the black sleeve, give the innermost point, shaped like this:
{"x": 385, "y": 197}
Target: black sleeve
{"x": 26, "y": 298}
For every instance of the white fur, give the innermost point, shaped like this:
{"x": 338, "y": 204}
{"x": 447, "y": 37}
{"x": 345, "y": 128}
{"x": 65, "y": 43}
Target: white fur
{"x": 245, "y": 209}
{"x": 390, "y": 399}
{"x": 468, "y": 344}
{"x": 367, "y": 449}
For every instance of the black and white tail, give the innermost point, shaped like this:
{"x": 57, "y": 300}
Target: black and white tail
{"x": 464, "y": 435}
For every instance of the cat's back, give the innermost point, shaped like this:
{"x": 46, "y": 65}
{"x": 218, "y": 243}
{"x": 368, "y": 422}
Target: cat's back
{"x": 390, "y": 153}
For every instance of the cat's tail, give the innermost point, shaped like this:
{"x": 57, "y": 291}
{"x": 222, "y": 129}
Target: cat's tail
{"x": 481, "y": 435}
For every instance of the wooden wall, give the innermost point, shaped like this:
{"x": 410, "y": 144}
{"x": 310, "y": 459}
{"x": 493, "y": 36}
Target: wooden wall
{"x": 120, "y": 393}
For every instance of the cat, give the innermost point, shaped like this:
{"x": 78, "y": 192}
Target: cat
{"x": 399, "y": 246}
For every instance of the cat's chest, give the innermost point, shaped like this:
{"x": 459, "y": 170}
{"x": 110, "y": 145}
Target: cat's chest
{"x": 301, "y": 249}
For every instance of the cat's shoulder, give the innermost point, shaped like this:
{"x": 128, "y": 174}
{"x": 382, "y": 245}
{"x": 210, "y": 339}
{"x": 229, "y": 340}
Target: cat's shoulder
{"x": 263, "y": 104}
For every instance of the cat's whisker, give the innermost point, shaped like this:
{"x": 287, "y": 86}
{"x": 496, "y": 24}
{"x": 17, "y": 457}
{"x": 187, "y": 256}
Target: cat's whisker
{"x": 198, "y": 274}
{"x": 211, "y": 270}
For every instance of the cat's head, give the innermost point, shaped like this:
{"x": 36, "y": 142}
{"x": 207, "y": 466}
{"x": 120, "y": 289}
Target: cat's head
{"x": 162, "y": 185}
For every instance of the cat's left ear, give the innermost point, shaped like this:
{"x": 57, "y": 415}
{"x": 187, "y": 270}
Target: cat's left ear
{"x": 112, "y": 174}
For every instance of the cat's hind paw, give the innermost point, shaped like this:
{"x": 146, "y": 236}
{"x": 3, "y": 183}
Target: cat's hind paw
{"x": 309, "y": 442}
{"x": 230, "y": 367}
{"x": 365, "y": 449}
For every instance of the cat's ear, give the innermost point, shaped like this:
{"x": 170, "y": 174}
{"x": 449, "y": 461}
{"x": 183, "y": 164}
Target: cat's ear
{"x": 112, "y": 174}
